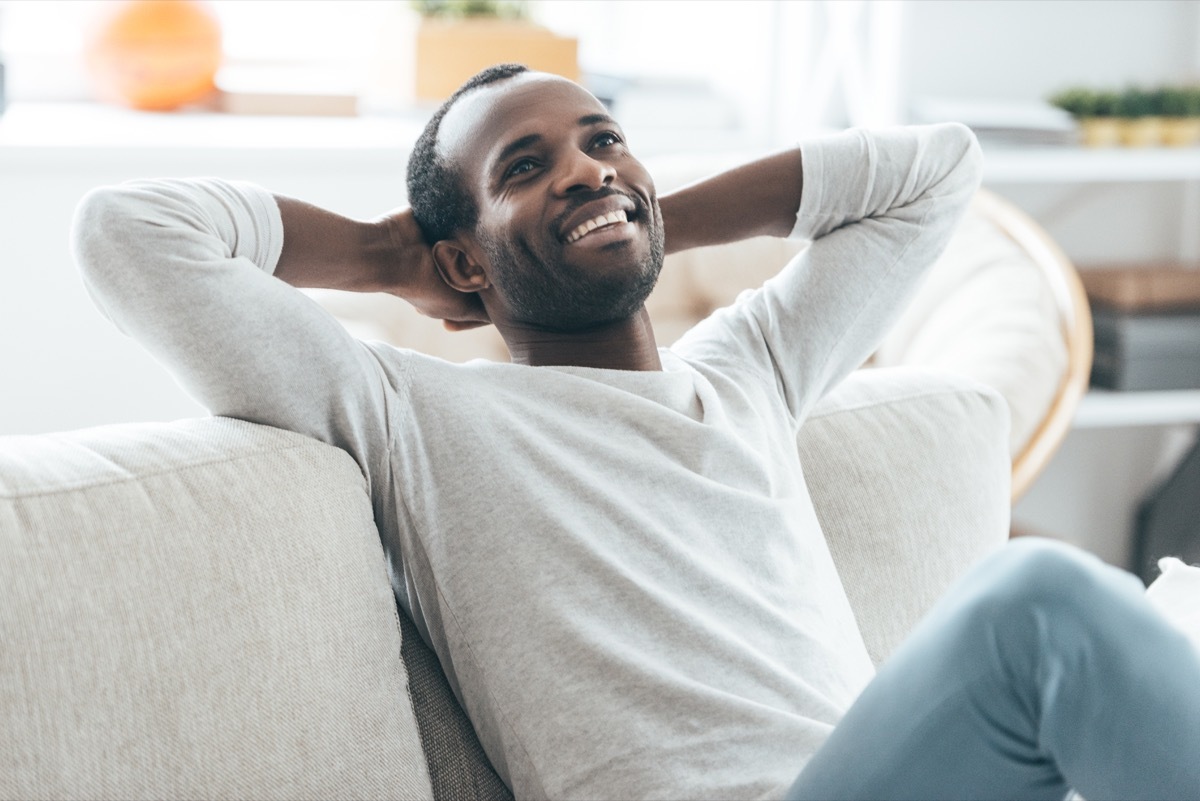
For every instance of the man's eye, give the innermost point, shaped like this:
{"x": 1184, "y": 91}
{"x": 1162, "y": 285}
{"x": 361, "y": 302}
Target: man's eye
{"x": 607, "y": 139}
{"x": 518, "y": 167}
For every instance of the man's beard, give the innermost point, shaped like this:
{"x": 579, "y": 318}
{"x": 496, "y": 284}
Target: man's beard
{"x": 567, "y": 298}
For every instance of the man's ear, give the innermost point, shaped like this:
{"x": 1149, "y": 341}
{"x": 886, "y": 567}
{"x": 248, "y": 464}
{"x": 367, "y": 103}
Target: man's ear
{"x": 458, "y": 267}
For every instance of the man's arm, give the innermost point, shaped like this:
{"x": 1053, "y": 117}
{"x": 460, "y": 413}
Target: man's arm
{"x": 185, "y": 267}
{"x": 879, "y": 207}
{"x": 328, "y": 251}
{"x": 756, "y": 199}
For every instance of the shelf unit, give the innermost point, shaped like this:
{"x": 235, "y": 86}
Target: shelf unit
{"x": 1010, "y": 165}
{"x": 1076, "y": 165}
{"x": 35, "y": 137}
{"x": 1107, "y": 409}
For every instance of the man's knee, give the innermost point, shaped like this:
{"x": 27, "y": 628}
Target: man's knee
{"x": 1051, "y": 577}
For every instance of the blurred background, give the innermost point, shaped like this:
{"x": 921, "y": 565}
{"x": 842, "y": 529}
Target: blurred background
{"x": 322, "y": 99}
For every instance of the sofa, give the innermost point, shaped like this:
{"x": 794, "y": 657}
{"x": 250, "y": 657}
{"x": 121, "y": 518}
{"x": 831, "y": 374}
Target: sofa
{"x": 202, "y": 608}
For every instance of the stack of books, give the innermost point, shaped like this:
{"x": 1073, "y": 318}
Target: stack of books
{"x": 1147, "y": 327}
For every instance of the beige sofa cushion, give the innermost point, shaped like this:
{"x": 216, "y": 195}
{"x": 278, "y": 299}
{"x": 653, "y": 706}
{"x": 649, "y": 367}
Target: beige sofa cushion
{"x": 199, "y": 609}
{"x": 908, "y": 469}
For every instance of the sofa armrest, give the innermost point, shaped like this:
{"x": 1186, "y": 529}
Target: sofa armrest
{"x": 909, "y": 472}
{"x": 197, "y": 608}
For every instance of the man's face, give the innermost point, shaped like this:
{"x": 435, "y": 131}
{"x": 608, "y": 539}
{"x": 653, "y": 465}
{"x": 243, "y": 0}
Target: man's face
{"x": 569, "y": 227}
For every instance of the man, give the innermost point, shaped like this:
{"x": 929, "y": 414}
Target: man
{"x": 610, "y": 545}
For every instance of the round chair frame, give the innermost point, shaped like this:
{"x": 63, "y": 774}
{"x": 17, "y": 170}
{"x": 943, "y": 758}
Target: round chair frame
{"x": 1076, "y": 324}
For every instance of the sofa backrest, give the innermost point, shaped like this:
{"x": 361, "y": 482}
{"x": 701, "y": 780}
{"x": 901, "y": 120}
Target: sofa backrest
{"x": 202, "y": 608}
{"x": 909, "y": 472}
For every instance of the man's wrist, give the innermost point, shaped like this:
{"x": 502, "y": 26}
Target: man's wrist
{"x": 392, "y": 245}
{"x": 380, "y": 255}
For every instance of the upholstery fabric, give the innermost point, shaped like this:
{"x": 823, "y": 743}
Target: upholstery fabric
{"x": 458, "y": 767}
{"x": 196, "y": 610}
{"x": 909, "y": 472}
{"x": 201, "y": 609}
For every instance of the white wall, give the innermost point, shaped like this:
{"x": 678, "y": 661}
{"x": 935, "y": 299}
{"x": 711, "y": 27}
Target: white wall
{"x": 729, "y": 44}
{"x": 1026, "y": 49}
{"x": 61, "y": 365}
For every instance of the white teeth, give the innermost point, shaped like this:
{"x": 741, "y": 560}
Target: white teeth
{"x": 582, "y": 229}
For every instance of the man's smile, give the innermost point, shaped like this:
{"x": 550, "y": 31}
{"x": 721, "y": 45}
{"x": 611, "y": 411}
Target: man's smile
{"x": 601, "y": 224}
{"x": 610, "y": 209}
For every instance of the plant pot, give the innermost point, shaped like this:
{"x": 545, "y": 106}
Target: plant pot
{"x": 1141, "y": 132}
{"x": 1100, "y": 131}
{"x": 1181, "y": 131}
{"x": 449, "y": 51}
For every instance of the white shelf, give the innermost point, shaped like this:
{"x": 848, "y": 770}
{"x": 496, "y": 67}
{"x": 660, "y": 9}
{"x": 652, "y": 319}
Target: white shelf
{"x": 1080, "y": 165}
{"x": 37, "y": 135}
{"x": 1107, "y": 409}
{"x": 1063, "y": 164}
{"x": 58, "y": 135}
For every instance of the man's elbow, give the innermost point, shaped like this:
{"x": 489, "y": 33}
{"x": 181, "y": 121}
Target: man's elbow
{"x": 970, "y": 163}
{"x": 93, "y": 218}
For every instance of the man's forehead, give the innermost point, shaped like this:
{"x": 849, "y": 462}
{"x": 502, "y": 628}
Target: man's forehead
{"x": 484, "y": 117}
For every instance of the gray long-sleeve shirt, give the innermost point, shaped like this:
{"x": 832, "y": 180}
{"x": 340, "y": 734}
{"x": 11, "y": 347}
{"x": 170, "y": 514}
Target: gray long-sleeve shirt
{"x": 621, "y": 572}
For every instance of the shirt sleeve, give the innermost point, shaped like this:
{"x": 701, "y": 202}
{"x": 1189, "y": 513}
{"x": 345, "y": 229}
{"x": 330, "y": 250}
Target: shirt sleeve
{"x": 185, "y": 267}
{"x": 879, "y": 207}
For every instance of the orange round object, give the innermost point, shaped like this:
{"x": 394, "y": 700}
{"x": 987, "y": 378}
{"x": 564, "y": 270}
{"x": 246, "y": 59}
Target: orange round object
{"x": 155, "y": 54}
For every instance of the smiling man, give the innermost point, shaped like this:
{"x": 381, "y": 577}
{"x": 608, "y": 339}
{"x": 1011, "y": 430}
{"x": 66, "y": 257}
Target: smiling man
{"x": 609, "y": 544}
{"x": 585, "y": 255}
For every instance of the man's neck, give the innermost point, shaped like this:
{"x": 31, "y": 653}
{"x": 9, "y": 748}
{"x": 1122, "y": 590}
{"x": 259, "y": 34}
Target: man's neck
{"x": 627, "y": 344}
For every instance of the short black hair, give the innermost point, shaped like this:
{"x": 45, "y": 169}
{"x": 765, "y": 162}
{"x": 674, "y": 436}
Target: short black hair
{"x": 441, "y": 204}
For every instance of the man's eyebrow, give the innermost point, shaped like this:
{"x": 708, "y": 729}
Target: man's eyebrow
{"x": 517, "y": 145}
{"x": 594, "y": 119}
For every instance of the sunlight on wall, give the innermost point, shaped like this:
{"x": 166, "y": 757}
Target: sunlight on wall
{"x": 725, "y": 44}
{"x": 739, "y": 72}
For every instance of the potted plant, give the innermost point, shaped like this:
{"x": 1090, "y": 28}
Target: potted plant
{"x": 1141, "y": 123}
{"x": 458, "y": 38}
{"x": 1093, "y": 113}
{"x": 1181, "y": 115}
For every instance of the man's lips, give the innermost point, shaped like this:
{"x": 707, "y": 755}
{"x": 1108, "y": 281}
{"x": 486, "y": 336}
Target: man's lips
{"x": 611, "y": 209}
{"x": 603, "y": 221}
{"x": 605, "y": 235}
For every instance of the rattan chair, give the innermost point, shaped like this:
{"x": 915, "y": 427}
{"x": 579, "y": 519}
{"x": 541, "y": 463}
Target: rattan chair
{"x": 1075, "y": 320}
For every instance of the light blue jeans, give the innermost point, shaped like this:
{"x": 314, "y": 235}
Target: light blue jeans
{"x": 1042, "y": 670}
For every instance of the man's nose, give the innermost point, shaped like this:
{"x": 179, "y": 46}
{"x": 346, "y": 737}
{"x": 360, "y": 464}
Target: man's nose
{"x": 582, "y": 172}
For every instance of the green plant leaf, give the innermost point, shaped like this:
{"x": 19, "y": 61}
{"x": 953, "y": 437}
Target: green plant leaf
{"x": 502, "y": 9}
